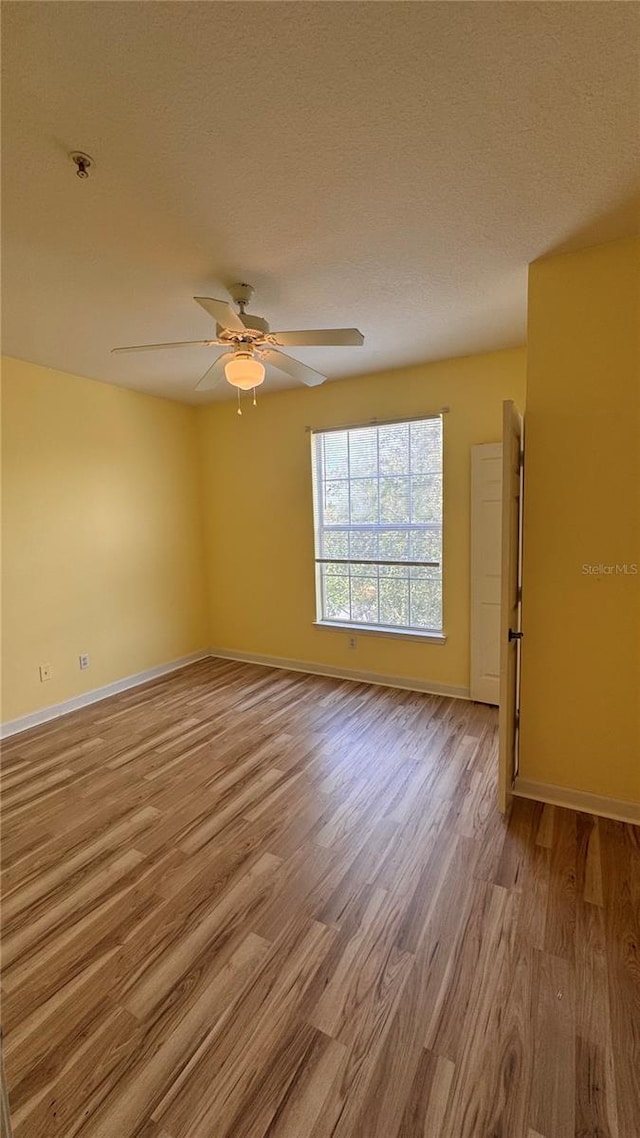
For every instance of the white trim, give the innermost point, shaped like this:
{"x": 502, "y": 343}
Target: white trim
{"x": 362, "y": 424}
{"x": 382, "y": 630}
{"x": 312, "y": 669}
{"x": 616, "y": 808}
{"x": 35, "y": 718}
{"x": 46, "y": 714}
{"x": 485, "y": 542}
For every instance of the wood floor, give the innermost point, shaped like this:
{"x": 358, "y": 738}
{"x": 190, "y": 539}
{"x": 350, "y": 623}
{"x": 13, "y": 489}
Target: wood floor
{"x": 243, "y": 903}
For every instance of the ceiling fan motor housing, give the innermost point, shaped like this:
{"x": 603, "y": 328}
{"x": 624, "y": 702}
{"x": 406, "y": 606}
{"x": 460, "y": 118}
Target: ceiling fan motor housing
{"x": 241, "y": 294}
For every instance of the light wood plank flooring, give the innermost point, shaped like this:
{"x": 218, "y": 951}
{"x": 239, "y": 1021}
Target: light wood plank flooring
{"x": 245, "y": 903}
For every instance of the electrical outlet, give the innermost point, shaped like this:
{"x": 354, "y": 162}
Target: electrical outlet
{"x": 353, "y": 642}
{"x": 46, "y": 672}
{"x": 84, "y": 661}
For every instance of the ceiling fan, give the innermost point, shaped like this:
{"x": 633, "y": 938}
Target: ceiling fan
{"x": 248, "y": 345}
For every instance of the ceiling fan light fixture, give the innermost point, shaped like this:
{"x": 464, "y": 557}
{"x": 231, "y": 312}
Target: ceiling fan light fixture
{"x": 244, "y": 371}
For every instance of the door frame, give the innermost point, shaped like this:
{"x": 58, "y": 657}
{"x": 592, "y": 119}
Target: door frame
{"x": 479, "y": 453}
{"x": 511, "y": 600}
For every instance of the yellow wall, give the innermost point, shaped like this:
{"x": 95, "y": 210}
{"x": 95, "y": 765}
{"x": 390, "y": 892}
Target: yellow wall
{"x": 258, "y": 511}
{"x": 101, "y": 534}
{"x": 581, "y": 650}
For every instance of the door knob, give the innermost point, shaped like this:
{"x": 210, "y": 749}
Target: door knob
{"x": 513, "y": 635}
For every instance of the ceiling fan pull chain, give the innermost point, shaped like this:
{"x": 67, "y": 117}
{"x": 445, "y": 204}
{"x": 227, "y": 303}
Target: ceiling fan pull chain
{"x": 255, "y": 401}
{"x": 239, "y": 407}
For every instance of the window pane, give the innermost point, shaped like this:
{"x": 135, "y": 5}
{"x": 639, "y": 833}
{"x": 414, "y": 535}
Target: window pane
{"x": 335, "y": 543}
{"x": 364, "y": 543}
{"x": 363, "y": 452}
{"x": 392, "y": 571}
{"x": 394, "y": 500}
{"x": 336, "y": 455}
{"x": 364, "y": 599}
{"x": 426, "y": 604}
{"x": 335, "y": 569}
{"x": 426, "y": 446}
{"x": 364, "y": 500}
{"x": 394, "y": 601}
{"x": 427, "y": 498}
{"x": 336, "y": 502}
{"x": 394, "y": 545}
{"x": 336, "y": 597}
{"x": 425, "y": 545}
{"x": 394, "y": 448}
{"x": 424, "y": 573}
{"x": 359, "y": 569}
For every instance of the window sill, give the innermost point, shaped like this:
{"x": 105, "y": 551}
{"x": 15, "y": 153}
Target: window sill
{"x": 378, "y": 630}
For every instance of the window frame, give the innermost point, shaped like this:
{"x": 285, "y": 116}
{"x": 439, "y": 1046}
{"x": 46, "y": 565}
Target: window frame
{"x": 407, "y": 632}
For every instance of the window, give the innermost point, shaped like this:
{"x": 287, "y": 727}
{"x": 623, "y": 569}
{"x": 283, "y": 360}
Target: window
{"x": 378, "y": 526}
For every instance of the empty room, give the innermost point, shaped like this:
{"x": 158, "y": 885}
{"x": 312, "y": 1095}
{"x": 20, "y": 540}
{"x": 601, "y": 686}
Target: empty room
{"x": 320, "y": 701}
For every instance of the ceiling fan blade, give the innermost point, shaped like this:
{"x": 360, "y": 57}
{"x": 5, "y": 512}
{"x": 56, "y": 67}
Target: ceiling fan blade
{"x": 321, "y": 337}
{"x": 214, "y": 374}
{"x": 177, "y": 344}
{"x": 293, "y": 368}
{"x": 222, "y": 313}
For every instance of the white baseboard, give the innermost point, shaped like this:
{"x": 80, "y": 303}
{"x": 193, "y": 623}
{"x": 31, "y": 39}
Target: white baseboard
{"x": 45, "y": 714}
{"x": 616, "y": 808}
{"x": 312, "y": 669}
{"x": 35, "y": 718}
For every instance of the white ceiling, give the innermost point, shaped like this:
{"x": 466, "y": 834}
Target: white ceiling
{"x": 393, "y": 166}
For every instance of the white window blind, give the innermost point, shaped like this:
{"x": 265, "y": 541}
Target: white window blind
{"x": 378, "y": 525}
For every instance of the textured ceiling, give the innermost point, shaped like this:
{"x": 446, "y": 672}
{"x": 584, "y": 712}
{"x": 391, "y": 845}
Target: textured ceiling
{"x": 393, "y": 166}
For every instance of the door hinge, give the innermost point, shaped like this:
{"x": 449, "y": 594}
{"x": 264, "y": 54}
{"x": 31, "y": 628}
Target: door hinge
{"x": 520, "y": 459}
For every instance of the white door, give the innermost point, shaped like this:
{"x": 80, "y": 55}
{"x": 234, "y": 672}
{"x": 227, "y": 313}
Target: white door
{"x": 510, "y": 632}
{"x": 486, "y": 526}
